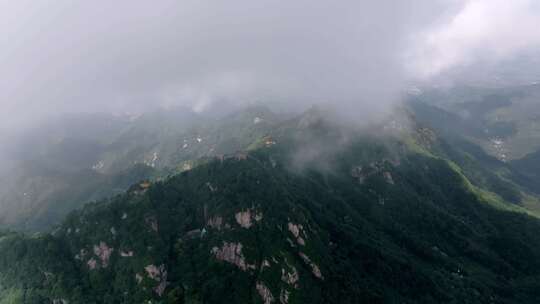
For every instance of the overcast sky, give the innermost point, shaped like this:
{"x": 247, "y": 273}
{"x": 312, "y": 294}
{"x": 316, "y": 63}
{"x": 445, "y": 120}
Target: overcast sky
{"x": 127, "y": 56}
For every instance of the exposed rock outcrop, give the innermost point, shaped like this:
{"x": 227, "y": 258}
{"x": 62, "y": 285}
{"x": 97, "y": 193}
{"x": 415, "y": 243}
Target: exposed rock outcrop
{"x": 291, "y": 277}
{"x": 245, "y": 218}
{"x": 284, "y": 296}
{"x": 81, "y": 255}
{"x": 92, "y": 264}
{"x": 297, "y": 230}
{"x": 314, "y": 267}
{"x": 158, "y": 274}
{"x": 232, "y": 253}
{"x": 126, "y": 254}
{"x": 265, "y": 293}
{"x": 388, "y": 177}
{"x": 211, "y": 187}
{"x": 375, "y": 168}
{"x": 104, "y": 253}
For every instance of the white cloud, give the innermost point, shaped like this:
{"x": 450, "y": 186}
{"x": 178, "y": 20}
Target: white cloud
{"x": 119, "y": 55}
{"x": 62, "y": 55}
{"x": 483, "y": 30}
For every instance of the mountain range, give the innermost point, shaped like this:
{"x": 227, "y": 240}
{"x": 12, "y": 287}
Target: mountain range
{"x": 261, "y": 207}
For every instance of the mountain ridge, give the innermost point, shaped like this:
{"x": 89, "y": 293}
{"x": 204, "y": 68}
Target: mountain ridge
{"x": 383, "y": 221}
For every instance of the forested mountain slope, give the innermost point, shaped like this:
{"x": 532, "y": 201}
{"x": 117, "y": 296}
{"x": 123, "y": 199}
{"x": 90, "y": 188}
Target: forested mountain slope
{"x": 314, "y": 214}
{"x": 75, "y": 160}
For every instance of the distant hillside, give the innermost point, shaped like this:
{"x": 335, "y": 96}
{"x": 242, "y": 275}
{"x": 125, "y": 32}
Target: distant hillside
{"x": 505, "y": 121}
{"x": 484, "y": 144}
{"x": 74, "y": 160}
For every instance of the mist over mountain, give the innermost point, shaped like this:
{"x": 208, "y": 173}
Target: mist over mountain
{"x": 269, "y": 152}
{"x": 130, "y": 57}
{"x": 257, "y": 218}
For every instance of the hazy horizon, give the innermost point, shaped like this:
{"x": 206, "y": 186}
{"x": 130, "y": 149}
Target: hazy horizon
{"x": 135, "y": 56}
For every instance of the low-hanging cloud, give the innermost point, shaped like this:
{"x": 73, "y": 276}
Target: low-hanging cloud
{"x": 480, "y": 32}
{"x": 59, "y": 56}
{"x": 128, "y": 56}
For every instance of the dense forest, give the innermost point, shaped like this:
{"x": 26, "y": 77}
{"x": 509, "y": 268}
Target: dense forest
{"x": 380, "y": 220}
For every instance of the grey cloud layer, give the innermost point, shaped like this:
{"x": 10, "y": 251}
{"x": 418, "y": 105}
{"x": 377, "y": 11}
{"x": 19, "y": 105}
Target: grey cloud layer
{"x": 481, "y": 31}
{"x": 125, "y": 56}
